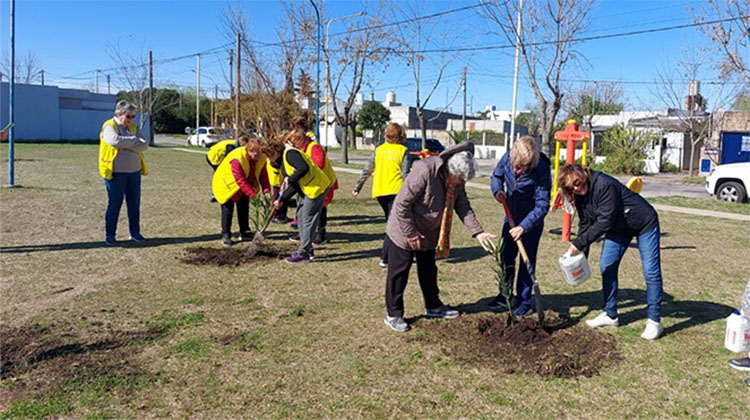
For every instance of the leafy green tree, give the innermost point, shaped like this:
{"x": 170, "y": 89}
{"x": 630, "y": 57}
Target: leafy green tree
{"x": 625, "y": 150}
{"x": 373, "y": 116}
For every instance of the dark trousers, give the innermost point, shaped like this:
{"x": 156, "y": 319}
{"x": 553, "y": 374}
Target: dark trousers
{"x": 386, "y": 202}
{"x": 243, "y": 215}
{"x": 399, "y": 264}
{"x": 127, "y": 186}
{"x": 320, "y": 233}
{"x": 508, "y": 254}
{"x": 281, "y": 212}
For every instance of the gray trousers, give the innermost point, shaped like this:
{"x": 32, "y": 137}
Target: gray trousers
{"x": 308, "y": 216}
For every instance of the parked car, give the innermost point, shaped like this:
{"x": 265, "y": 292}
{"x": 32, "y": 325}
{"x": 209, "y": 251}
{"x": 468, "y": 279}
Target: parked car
{"x": 207, "y": 136}
{"x": 729, "y": 182}
{"x": 414, "y": 149}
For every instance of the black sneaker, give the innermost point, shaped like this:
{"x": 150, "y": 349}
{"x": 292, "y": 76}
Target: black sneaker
{"x": 226, "y": 240}
{"x": 740, "y": 364}
{"x": 281, "y": 220}
{"x": 320, "y": 241}
{"x": 213, "y": 199}
{"x": 294, "y": 238}
{"x": 246, "y": 236}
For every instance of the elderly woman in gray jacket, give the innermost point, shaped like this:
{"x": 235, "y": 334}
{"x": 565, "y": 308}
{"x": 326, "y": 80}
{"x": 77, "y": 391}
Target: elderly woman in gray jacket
{"x": 420, "y": 224}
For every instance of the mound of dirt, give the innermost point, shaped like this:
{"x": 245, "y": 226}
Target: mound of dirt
{"x": 53, "y": 356}
{"x": 560, "y": 348}
{"x": 236, "y": 255}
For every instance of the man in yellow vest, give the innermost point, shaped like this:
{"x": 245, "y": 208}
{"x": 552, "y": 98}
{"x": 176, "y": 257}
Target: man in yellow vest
{"x": 310, "y": 182}
{"x": 121, "y": 164}
{"x": 239, "y": 177}
{"x": 389, "y": 168}
{"x": 220, "y": 150}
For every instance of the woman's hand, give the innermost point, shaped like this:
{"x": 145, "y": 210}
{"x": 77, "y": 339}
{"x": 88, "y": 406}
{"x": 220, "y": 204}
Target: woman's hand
{"x": 277, "y": 204}
{"x": 415, "y": 242}
{"x": 355, "y": 193}
{"x": 516, "y": 233}
{"x": 486, "y": 240}
{"x": 573, "y": 250}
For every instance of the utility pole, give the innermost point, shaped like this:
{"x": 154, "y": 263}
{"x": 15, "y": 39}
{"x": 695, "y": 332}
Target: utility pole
{"x": 42, "y": 73}
{"x": 317, "y": 82}
{"x": 96, "y": 81}
{"x": 237, "y": 93}
{"x": 216, "y": 98}
{"x": 198, "y": 100}
{"x": 108, "y": 92}
{"x": 231, "y": 75}
{"x": 12, "y": 90}
{"x": 515, "y": 77}
{"x": 463, "y": 117}
{"x": 150, "y": 96}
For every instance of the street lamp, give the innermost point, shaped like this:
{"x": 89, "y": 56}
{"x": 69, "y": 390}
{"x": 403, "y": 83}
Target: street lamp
{"x": 328, "y": 74}
{"x": 317, "y": 79}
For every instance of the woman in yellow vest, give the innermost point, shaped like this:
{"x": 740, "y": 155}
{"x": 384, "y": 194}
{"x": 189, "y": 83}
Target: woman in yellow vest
{"x": 306, "y": 179}
{"x": 320, "y": 158}
{"x": 220, "y": 150}
{"x": 239, "y": 177}
{"x": 389, "y": 168}
{"x": 121, "y": 164}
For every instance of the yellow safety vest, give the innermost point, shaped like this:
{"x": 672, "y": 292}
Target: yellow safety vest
{"x": 315, "y": 182}
{"x": 327, "y": 167}
{"x": 275, "y": 177}
{"x": 387, "y": 178}
{"x": 218, "y": 151}
{"x": 224, "y": 185}
{"x": 107, "y": 153}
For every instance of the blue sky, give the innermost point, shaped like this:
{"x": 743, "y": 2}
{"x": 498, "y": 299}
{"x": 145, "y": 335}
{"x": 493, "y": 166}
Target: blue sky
{"x": 71, "y": 37}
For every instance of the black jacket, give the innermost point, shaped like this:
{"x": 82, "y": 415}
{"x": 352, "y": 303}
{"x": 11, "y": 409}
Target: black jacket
{"x": 609, "y": 206}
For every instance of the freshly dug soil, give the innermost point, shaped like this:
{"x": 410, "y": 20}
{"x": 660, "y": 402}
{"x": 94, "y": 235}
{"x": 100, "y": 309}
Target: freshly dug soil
{"x": 560, "y": 348}
{"x": 236, "y": 255}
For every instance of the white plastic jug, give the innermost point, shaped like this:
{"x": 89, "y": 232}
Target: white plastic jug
{"x": 737, "y": 337}
{"x": 575, "y": 267}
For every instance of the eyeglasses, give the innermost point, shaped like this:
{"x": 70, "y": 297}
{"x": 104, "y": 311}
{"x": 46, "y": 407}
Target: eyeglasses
{"x": 129, "y": 116}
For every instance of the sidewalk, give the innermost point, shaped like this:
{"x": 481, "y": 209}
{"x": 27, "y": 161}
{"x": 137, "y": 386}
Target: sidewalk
{"x": 660, "y": 207}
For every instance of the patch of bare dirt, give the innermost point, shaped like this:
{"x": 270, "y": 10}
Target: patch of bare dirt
{"x": 559, "y": 348}
{"x": 236, "y": 255}
{"x": 36, "y": 358}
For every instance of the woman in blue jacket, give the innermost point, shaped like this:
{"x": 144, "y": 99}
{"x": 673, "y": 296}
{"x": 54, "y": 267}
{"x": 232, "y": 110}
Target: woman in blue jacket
{"x": 523, "y": 177}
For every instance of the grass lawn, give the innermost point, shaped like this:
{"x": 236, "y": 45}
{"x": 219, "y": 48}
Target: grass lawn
{"x": 131, "y": 331}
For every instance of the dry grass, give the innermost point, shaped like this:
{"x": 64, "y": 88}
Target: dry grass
{"x": 276, "y": 341}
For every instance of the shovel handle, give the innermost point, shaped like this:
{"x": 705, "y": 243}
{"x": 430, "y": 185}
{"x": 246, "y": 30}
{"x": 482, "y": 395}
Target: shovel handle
{"x": 512, "y": 224}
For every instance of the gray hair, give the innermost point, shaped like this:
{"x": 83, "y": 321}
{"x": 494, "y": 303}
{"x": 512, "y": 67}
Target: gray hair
{"x": 462, "y": 165}
{"x": 124, "y": 106}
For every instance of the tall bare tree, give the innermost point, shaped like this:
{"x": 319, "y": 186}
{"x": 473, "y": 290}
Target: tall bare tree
{"x": 131, "y": 62}
{"x": 28, "y": 67}
{"x": 412, "y": 40}
{"x": 731, "y": 38}
{"x": 351, "y": 55}
{"x": 267, "y": 91}
{"x": 672, "y": 89}
{"x": 547, "y": 45}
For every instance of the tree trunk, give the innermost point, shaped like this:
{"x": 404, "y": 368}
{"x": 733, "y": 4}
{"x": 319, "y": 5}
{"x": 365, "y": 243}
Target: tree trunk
{"x": 422, "y": 128}
{"x": 345, "y": 143}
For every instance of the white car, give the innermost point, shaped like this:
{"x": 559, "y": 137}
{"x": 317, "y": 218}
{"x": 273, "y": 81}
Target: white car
{"x": 207, "y": 136}
{"x": 729, "y": 182}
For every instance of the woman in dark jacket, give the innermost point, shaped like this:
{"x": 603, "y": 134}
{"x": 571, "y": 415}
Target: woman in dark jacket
{"x": 606, "y": 207}
{"x": 522, "y": 175}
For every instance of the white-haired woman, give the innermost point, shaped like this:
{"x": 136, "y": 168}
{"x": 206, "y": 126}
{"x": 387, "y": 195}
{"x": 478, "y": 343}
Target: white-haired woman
{"x": 522, "y": 176}
{"x": 121, "y": 164}
{"x": 419, "y": 225}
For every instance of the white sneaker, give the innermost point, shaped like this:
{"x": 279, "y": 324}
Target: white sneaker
{"x": 603, "y": 320}
{"x": 653, "y": 330}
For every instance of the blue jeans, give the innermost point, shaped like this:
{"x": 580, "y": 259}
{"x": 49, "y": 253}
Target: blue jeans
{"x": 508, "y": 254}
{"x": 123, "y": 185}
{"x": 612, "y": 251}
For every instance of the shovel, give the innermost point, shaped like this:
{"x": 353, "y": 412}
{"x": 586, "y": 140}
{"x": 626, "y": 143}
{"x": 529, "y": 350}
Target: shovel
{"x": 529, "y": 267}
